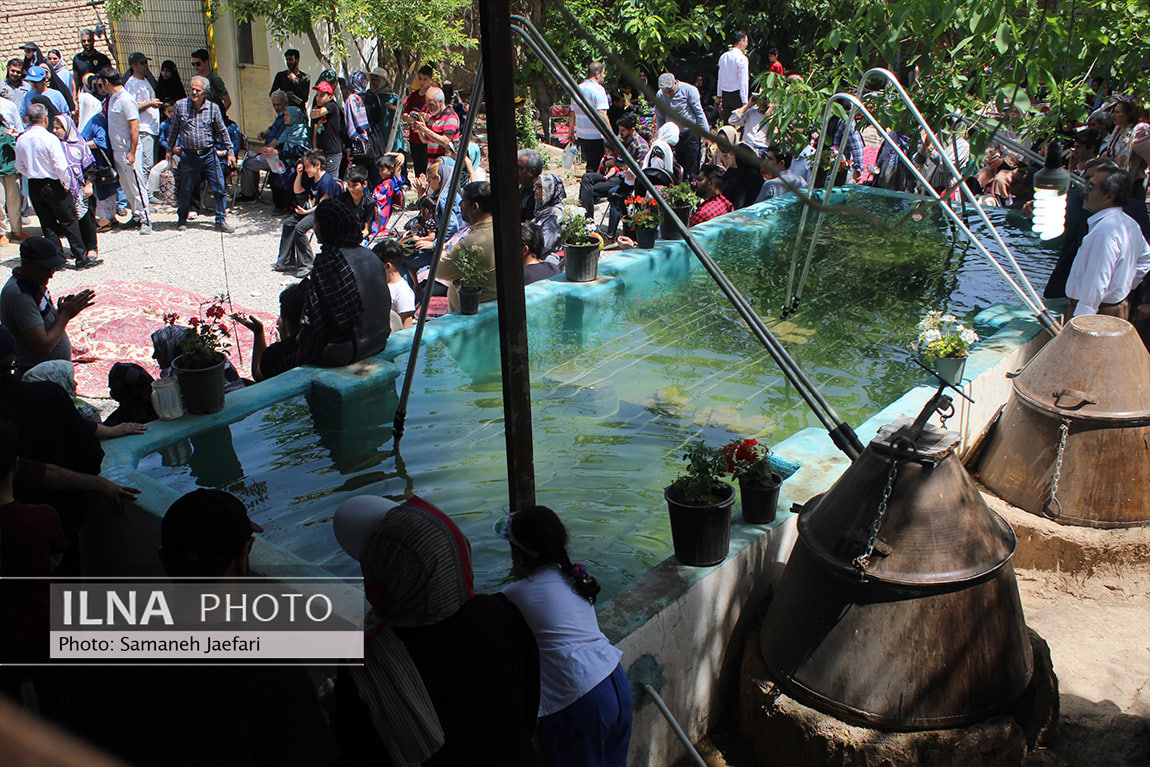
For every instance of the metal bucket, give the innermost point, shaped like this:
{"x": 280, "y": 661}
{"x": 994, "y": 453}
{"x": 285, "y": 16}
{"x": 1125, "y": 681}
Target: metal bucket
{"x": 581, "y": 262}
{"x": 1073, "y": 441}
{"x": 901, "y": 615}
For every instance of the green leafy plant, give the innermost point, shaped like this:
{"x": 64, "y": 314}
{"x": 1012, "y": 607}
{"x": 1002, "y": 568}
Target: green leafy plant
{"x": 574, "y": 226}
{"x": 750, "y": 460}
{"x": 942, "y": 335}
{"x": 207, "y": 339}
{"x": 471, "y": 264}
{"x": 702, "y": 483}
{"x": 525, "y": 119}
{"x": 680, "y": 196}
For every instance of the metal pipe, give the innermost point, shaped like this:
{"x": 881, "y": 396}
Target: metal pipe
{"x": 440, "y": 237}
{"x": 675, "y": 727}
{"x": 1006, "y": 141}
{"x": 840, "y": 432}
{"x": 1043, "y": 316}
{"x": 955, "y": 218}
{"x": 495, "y": 42}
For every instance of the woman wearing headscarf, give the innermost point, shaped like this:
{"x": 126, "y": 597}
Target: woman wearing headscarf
{"x": 364, "y": 139}
{"x": 169, "y": 87}
{"x": 80, "y": 161}
{"x": 338, "y": 326}
{"x": 448, "y": 678}
{"x": 33, "y": 57}
{"x": 62, "y": 373}
{"x": 105, "y": 183}
{"x": 290, "y": 148}
{"x": 90, "y": 104}
{"x": 549, "y": 196}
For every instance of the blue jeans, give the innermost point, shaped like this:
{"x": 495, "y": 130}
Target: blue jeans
{"x": 193, "y": 167}
{"x": 594, "y": 730}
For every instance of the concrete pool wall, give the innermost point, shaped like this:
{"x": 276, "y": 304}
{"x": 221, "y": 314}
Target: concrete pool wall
{"x": 675, "y": 624}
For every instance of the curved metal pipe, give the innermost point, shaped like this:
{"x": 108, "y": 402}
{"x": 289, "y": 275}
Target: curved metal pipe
{"x": 1014, "y": 146}
{"x": 840, "y": 432}
{"x": 440, "y": 238}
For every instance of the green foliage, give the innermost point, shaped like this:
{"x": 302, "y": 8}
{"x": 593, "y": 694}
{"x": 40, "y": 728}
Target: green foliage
{"x": 680, "y": 196}
{"x": 574, "y": 226}
{"x": 526, "y": 134}
{"x": 701, "y": 484}
{"x": 471, "y": 264}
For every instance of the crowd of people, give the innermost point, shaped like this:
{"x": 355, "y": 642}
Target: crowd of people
{"x": 363, "y": 173}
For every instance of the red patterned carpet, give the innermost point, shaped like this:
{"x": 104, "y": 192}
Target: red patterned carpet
{"x": 119, "y": 326}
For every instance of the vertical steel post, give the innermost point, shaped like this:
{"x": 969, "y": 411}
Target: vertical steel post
{"x": 499, "y": 87}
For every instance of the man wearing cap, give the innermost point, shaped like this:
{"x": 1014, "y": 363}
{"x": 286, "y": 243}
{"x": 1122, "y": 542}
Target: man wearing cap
{"x": 144, "y": 92}
{"x": 26, "y": 306}
{"x": 37, "y": 77}
{"x": 327, "y": 127}
{"x": 197, "y": 125}
{"x": 124, "y": 136}
{"x": 40, "y": 159}
{"x": 292, "y": 81}
{"x": 88, "y": 60}
{"x": 682, "y": 98}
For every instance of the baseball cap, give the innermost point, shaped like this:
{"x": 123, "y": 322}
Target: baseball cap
{"x": 326, "y": 88}
{"x": 356, "y": 519}
{"x": 137, "y": 58}
{"x": 666, "y": 80}
{"x": 29, "y": 47}
{"x": 43, "y": 251}
{"x": 206, "y": 525}
{"x": 36, "y": 74}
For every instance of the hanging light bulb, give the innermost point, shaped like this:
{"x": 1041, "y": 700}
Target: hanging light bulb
{"x": 1050, "y": 187}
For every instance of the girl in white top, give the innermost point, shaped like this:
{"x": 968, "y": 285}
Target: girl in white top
{"x": 585, "y": 698}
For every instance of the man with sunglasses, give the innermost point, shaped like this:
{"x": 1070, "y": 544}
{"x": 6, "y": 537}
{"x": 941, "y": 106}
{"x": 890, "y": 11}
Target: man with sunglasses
{"x": 217, "y": 91}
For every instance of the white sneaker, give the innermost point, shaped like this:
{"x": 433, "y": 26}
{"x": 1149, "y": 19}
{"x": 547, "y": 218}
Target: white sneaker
{"x": 146, "y": 229}
{"x": 192, "y": 215}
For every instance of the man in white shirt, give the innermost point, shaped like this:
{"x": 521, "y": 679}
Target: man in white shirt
{"x": 124, "y": 139}
{"x": 1114, "y": 256}
{"x": 40, "y": 159}
{"x": 734, "y": 77}
{"x": 588, "y": 137}
{"x": 140, "y": 86}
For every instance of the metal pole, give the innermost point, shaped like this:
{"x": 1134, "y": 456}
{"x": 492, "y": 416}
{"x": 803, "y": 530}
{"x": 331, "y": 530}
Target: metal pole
{"x": 495, "y": 44}
{"x": 841, "y": 434}
{"x": 440, "y": 237}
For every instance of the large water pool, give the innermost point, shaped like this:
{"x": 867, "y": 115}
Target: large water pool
{"x": 622, "y": 380}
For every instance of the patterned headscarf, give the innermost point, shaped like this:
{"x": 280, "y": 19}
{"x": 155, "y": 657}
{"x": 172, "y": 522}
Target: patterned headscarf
{"x": 357, "y": 83}
{"x": 295, "y": 135}
{"x": 62, "y": 373}
{"x": 78, "y": 154}
{"x": 416, "y": 572}
{"x": 552, "y": 192}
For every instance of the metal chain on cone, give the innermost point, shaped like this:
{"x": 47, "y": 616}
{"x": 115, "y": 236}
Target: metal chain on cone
{"x": 1063, "y": 433}
{"x": 862, "y": 561}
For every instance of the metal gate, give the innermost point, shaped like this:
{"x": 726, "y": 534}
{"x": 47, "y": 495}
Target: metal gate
{"x": 165, "y": 29}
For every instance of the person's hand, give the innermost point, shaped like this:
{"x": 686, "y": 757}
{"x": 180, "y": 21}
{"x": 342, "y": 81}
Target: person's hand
{"x": 126, "y": 429}
{"x": 249, "y": 321}
{"x": 231, "y": 159}
{"x": 299, "y": 167}
{"x": 130, "y": 157}
{"x": 87, "y": 188}
{"x": 117, "y": 494}
{"x": 624, "y": 242}
{"x": 300, "y": 210}
{"x": 72, "y": 305}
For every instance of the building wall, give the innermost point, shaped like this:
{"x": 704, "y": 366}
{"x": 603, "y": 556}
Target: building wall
{"x": 49, "y": 24}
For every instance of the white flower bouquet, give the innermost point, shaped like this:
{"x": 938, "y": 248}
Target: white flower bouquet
{"x": 942, "y": 335}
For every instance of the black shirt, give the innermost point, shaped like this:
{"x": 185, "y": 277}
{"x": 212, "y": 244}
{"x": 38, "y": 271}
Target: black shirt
{"x": 540, "y": 271}
{"x": 83, "y": 63}
{"x": 297, "y": 91}
{"x": 328, "y": 130}
{"x": 279, "y": 357}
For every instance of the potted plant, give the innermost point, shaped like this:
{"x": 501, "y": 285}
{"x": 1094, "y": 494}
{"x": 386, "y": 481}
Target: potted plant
{"x": 200, "y": 365}
{"x": 826, "y": 161}
{"x": 682, "y": 199}
{"x": 580, "y": 245}
{"x": 469, "y": 261}
{"x": 749, "y": 462}
{"x": 699, "y": 504}
{"x": 644, "y": 217}
{"x": 944, "y": 342}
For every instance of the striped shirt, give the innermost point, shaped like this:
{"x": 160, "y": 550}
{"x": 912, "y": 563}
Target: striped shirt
{"x": 446, "y": 123}
{"x": 597, "y": 96}
{"x": 196, "y": 130}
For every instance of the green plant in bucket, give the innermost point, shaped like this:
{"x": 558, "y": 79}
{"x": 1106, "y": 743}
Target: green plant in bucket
{"x": 701, "y": 485}
{"x": 680, "y": 196}
{"x": 747, "y": 459}
{"x": 471, "y": 264}
{"x": 206, "y": 342}
{"x": 574, "y": 226}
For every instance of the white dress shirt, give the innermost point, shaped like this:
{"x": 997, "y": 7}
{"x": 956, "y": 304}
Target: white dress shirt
{"x": 1112, "y": 260}
{"x": 734, "y": 73}
{"x": 143, "y": 92}
{"x": 39, "y": 154}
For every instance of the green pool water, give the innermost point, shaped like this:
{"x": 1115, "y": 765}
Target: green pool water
{"x": 620, "y": 384}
